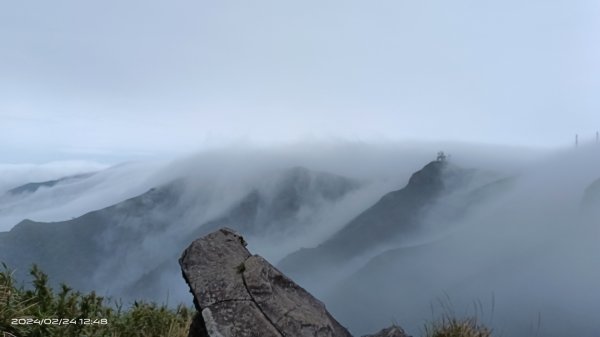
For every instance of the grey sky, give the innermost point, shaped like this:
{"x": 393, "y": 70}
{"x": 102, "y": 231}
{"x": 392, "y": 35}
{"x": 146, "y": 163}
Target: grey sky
{"x": 119, "y": 79}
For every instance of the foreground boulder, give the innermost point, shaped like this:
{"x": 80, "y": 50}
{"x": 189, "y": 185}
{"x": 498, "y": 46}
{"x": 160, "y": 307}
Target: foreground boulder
{"x": 238, "y": 294}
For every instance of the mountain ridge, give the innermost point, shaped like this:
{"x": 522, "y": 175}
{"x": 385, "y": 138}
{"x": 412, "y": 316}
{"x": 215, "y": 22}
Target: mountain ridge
{"x": 393, "y": 213}
{"x": 76, "y": 250}
{"x": 34, "y": 186}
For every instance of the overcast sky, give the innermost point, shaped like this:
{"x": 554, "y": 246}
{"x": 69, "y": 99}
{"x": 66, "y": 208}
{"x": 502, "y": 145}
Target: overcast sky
{"x": 118, "y": 79}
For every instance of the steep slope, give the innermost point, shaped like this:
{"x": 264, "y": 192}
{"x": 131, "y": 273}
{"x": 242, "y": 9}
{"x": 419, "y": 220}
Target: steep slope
{"x": 282, "y": 207}
{"x": 138, "y": 239}
{"x": 72, "y": 250}
{"x": 395, "y": 214}
{"x": 294, "y": 193}
{"x": 514, "y": 279}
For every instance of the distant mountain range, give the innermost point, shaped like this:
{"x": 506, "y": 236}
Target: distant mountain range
{"x": 103, "y": 249}
{"x": 33, "y": 187}
{"x": 297, "y": 189}
{"x": 368, "y": 247}
{"x": 130, "y": 249}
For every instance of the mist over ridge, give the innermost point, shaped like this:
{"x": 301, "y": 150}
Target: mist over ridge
{"x": 528, "y": 256}
{"x": 399, "y": 160}
{"x": 503, "y": 220}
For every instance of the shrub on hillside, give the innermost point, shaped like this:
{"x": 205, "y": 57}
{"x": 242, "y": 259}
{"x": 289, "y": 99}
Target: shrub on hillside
{"x": 41, "y": 312}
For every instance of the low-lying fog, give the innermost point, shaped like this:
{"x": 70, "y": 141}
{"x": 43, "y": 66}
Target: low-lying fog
{"x": 525, "y": 260}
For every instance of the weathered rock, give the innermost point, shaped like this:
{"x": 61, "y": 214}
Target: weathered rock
{"x": 290, "y": 305}
{"x": 393, "y": 331}
{"x": 211, "y": 267}
{"x": 240, "y": 295}
{"x": 237, "y": 318}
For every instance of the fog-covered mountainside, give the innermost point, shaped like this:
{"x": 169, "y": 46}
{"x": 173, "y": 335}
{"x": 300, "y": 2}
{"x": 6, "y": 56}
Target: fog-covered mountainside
{"x": 489, "y": 263}
{"x": 73, "y": 195}
{"x": 519, "y": 252}
{"x": 399, "y": 217}
{"x": 82, "y": 251}
{"x": 297, "y": 190}
{"x": 33, "y": 187}
{"x": 395, "y": 213}
{"x": 379, "y": 234}
{"x": 72, "y": 250}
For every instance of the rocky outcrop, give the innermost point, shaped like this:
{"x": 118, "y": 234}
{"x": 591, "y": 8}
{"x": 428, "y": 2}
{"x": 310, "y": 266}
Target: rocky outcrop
{"x": 238, "y": 294}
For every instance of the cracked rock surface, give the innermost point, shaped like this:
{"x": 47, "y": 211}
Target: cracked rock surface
{"x": 242, "y": 295}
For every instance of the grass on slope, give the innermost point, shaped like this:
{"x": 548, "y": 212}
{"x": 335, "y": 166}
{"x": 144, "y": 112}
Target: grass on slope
{"x": 43, "y": 312}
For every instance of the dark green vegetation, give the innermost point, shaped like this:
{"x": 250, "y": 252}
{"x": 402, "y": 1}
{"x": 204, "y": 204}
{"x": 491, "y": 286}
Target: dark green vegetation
{"x": 39, "y": 309}
{"x": 449, "y": 326}
{"x": 40, "y": 306}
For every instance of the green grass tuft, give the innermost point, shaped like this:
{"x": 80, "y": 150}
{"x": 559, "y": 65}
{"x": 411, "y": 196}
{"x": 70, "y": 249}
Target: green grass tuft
{"x": 457, "y": 327}
{"x": 40, "y": 304}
